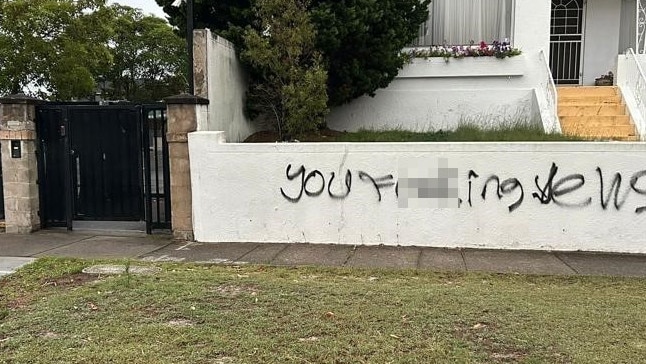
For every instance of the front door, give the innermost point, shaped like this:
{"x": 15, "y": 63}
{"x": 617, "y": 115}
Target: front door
{"x": 566, "y": 41}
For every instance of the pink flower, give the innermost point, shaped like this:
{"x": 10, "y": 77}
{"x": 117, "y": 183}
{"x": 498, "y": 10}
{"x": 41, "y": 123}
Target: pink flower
{"x": 483, "y": 45}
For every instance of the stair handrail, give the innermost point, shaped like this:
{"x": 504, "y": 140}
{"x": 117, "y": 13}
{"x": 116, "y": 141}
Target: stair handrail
{"x": 549, "y": 89}
{"x": 632, "y": 82}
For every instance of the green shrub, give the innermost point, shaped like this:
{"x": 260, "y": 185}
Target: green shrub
{"x": 288, "y": 81}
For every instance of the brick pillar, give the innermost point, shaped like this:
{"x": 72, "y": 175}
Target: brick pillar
{"x": 19, "y": 172}
{"x": 184, "y": 115}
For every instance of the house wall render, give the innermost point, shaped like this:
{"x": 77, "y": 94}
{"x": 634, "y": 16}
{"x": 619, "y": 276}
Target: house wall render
{"x": 602, "y": 30}
{"x": 546, "y": 196}
{"x": 433, "y": 94}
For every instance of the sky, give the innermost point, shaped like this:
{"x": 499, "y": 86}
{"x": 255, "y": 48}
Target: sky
{"x": 148, "y": 6}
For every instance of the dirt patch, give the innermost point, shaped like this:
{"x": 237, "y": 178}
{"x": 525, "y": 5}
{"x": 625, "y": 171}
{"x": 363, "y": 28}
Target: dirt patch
{"x": 71, "y": 280}
{"x": 270, "y": 136}
{"x": 116, "y": 269}
{"x": 224, "y": 360}
{"x": 482, "y": 335}
{"x": 179, "y": 323}
{"x": 49, "y": 335}
{"x": 235, "y": 290}
{"x": 19, "y": 302}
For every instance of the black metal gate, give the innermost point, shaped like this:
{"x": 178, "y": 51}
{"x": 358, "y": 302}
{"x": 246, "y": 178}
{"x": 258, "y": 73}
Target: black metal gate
{"x": 95, "y": 164}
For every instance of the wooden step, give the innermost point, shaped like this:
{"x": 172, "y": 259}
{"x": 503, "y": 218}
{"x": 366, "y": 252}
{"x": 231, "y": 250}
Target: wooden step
{"x": 627, "y": 129}
{"x": 596, "y": 120}
{"x": 629, "y": 138}
{"x": 596, "y": 113}
{"x": 632, "y": 138}
{"x": 600, "y": 131}
{"x": 573, "y": 100}
{"x": 619, "y": 138}
{"x": 588, "y": 91}
{"x": 591, "y": 109}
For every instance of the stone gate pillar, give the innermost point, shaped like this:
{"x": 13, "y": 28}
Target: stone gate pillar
{"x": 19, "y": 163}
{"x": 185, "y": 113}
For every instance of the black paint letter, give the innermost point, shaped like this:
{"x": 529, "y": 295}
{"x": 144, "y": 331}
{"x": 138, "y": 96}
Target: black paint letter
{"x": 614, "y": 187}
{"x": 301, "y": 172}
{"x": 641, "y": 191}
{"x": 348, "y": 186}
{"x": 385, "y": 181}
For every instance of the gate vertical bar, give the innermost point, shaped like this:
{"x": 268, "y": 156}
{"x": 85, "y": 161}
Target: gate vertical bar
{"x": 156, "y": 127}
{"x": 140, "y": 177}
{"x": 148, "y": 200}
{"x": 69, "y": 195}
{"x": 166, "y": 169}
{"x": 40, "y": 157}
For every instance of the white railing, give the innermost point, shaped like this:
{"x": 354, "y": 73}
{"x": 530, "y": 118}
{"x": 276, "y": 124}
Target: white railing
{"x": 631, "y": 80}
{"x": 547, "y": 99}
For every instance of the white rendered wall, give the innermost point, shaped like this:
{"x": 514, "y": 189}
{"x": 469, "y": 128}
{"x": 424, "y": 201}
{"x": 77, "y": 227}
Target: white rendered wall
{"x": 628, "y": 26}
{"x": 221, "y": 79}
{"x": 532, "y": 21}
{"x": 436, "y": 95}
{"x": 432, "y": 94}
{"x": 549, "y": 198}
{"x": 602, "y": 29}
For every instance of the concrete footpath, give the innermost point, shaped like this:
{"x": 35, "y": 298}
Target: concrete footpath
{"x": 17, "y": 250}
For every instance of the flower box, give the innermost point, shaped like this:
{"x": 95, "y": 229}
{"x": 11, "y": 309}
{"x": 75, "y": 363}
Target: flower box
{"x": 438, "y": 67}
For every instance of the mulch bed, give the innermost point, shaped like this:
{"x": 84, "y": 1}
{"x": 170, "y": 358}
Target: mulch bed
{"x": 271, "y": 136}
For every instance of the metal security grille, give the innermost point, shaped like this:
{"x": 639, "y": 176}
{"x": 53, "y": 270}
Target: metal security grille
{"x": 95, "y": 164}
{"x": 156, "y": 168}
{"x": 566, "y": 41}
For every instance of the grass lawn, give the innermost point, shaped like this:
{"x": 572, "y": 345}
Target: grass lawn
{"x": 52, "y": 313}
{"x": 464, "y": 133}
{"x": 510, "y": 132}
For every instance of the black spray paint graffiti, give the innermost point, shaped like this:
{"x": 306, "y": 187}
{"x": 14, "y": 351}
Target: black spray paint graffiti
{"x": 306, "y": 183}
{"x": 506, "y": 187}
{"x": 552, "y": 190}
{"x": 616, "y": 186}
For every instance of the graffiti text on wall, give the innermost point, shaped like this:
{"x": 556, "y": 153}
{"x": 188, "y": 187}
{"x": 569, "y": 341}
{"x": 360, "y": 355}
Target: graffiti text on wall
{"x": 552, "y": 187}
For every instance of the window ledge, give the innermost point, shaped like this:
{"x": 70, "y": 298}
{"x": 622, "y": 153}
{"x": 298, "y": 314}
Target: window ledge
{"x": 437, "y": 67}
